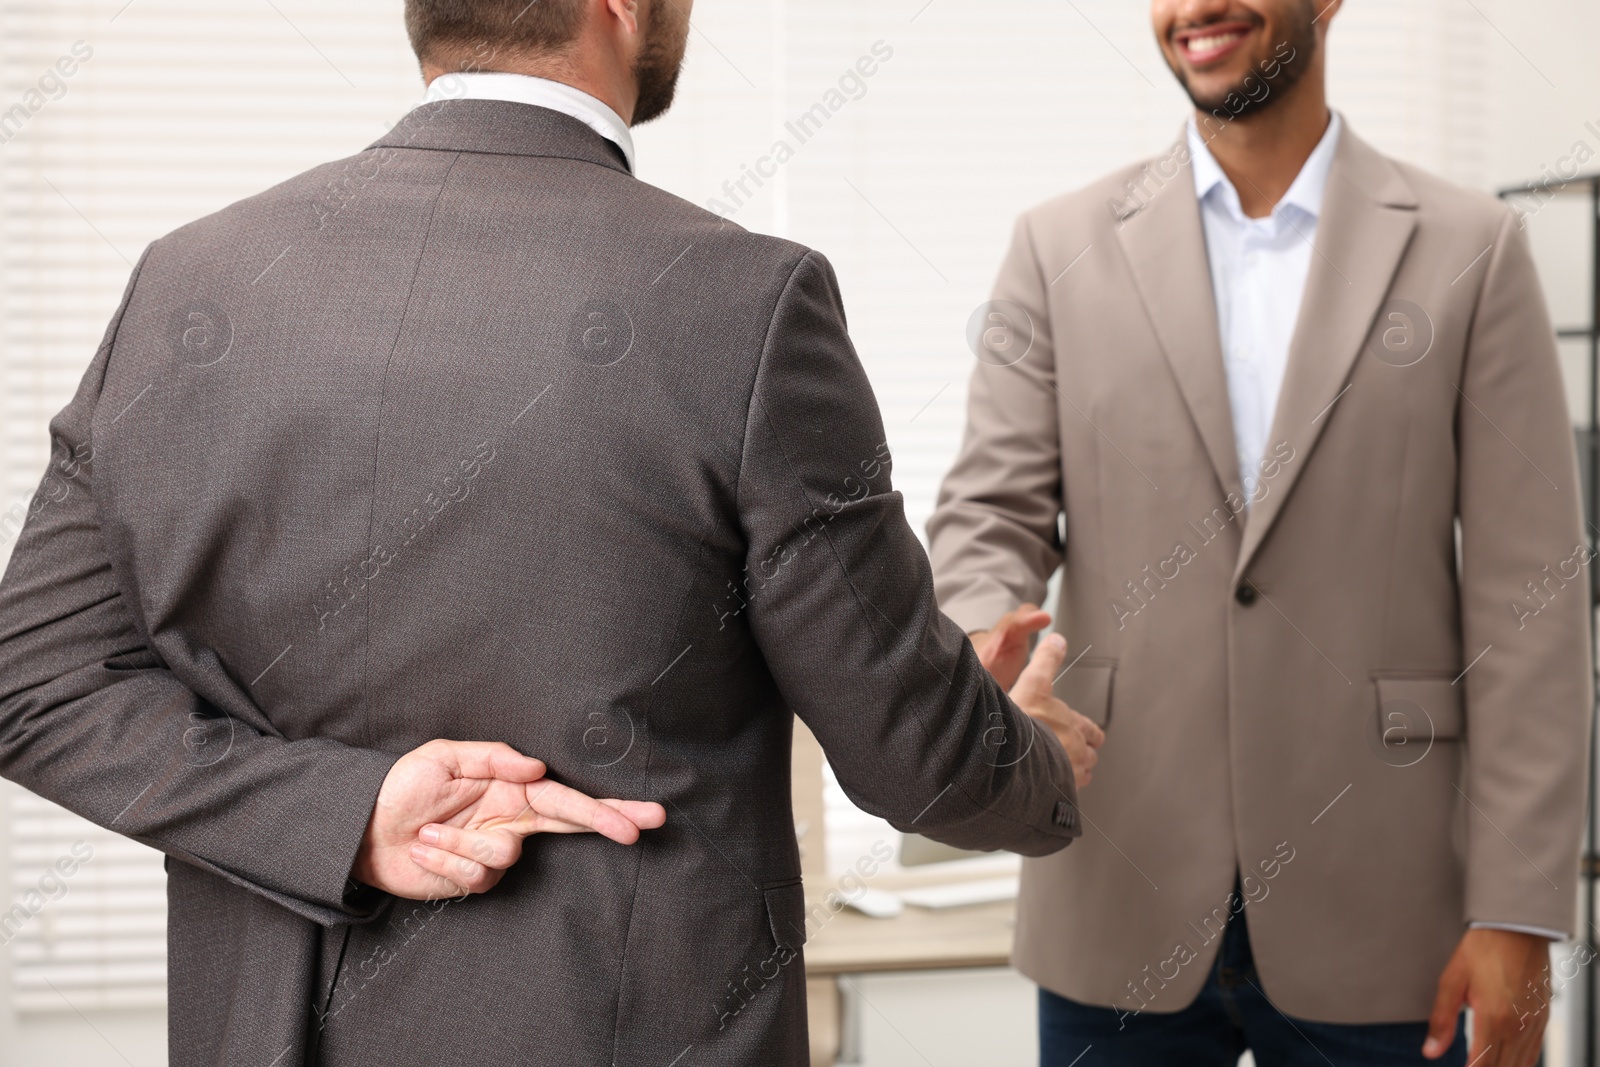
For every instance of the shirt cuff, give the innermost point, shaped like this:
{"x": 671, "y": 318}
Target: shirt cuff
{"x": 1516, "y": 928}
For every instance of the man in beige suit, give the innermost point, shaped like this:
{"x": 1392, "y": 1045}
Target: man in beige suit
{"x": 1288, "y": 415}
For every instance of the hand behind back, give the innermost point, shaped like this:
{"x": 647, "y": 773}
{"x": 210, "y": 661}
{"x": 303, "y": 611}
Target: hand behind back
{"x": 451, "y": 817}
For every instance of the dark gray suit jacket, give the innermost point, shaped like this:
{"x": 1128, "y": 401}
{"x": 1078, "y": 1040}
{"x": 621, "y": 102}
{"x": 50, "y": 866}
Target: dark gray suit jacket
{"x": 476, "y": 436}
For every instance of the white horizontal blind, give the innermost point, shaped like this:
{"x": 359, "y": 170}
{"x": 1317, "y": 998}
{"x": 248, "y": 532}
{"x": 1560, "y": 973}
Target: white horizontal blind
{"x": 172, "y": 109}
{"x": 87, "y": 916}
{"x": 182, "y": 107}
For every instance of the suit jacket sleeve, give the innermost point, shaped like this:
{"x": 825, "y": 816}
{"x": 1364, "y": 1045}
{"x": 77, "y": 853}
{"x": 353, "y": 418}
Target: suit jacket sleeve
{"x": 91, "y": 718}
{"x": 1522, "y": 547}
{"x": 995, "y": 538}
{"x": 841, "y": 602}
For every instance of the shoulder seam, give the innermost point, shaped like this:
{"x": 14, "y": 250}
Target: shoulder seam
{"x": 761, "y": 363}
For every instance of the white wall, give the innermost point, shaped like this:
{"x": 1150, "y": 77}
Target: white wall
{"x": 948, "y": 1019}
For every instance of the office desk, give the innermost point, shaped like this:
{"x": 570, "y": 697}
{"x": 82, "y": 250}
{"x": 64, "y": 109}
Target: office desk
{"x": 850, "y": 943}
{"x": 916, "y": 940}
{"x": 919, "y": 939}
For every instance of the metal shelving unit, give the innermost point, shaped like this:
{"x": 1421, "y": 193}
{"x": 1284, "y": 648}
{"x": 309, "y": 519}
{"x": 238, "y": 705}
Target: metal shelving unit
{"x": 1587, "y": 186}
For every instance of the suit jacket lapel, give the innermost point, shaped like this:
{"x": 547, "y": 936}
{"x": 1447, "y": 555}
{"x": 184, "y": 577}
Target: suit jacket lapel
{"x": 1166, "y": 249}
{"x": 1368, "y": 215}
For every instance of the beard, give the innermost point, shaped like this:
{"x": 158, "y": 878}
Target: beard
{"x": 1301, "y": 37}
{"x": 660, "y": 61}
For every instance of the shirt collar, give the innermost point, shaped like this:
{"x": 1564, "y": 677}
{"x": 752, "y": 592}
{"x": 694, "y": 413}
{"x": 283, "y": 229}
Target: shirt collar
{"x": 540, "y": 92}
{"x": 1305, "y": 193}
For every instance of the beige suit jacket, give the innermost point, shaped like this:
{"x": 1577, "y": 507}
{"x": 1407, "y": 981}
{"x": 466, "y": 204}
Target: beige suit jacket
{"x": 1368, "y": 690}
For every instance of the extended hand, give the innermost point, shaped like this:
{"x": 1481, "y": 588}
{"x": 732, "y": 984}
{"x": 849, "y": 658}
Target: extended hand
{"x": 1034, "y": 693}
{"x": 451, "y": 817}
{"x": 1004, "y": 649}
{"x": 1505, "y": 977}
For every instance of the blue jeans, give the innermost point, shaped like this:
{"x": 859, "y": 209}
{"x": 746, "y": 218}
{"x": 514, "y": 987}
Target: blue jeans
{"x": 1231, "y": 1015}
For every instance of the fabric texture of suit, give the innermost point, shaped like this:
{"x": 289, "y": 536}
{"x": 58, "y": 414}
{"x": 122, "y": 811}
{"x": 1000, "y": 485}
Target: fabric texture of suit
{"x": 1368, "y": 690}
{"x": 475, "y": 436}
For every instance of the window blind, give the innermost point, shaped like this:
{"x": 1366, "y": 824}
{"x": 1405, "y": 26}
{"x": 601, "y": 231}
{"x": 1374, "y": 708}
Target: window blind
{"x": 86, "y": 921}
{"x": 119, "y": 122}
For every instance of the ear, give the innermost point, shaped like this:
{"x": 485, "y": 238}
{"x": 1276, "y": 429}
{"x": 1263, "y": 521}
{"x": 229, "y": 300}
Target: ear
{"x": 626, "y": 12}
{"x": 1326, "y": 9}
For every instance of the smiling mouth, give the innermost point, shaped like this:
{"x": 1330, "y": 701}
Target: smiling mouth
{"x": 1204, "y": 45}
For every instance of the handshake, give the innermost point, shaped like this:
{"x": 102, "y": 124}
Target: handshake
{"x": 451, "y": 816}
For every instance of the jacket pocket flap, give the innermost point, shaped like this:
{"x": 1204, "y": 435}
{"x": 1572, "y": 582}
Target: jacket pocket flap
{"x": 1086, "y": 688}
{"x": 786, "y": 914}
{"x": 1420, "y": 709}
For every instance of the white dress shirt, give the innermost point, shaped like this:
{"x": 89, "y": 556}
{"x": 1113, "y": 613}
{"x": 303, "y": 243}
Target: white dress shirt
{"x": 540, "y": 92}
{"x": 1258, "y": 276}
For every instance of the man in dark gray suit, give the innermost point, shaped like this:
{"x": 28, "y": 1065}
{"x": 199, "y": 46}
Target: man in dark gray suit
{"x": 474, "y": 436}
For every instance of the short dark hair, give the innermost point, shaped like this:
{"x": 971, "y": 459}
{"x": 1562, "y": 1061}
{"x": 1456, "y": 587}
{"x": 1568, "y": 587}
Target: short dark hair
{"x": 467, "y": 33}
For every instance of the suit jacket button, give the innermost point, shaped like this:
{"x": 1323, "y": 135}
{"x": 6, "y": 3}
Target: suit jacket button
{"x": 1066, "y": 816}
{"x": 1245, "y": 594}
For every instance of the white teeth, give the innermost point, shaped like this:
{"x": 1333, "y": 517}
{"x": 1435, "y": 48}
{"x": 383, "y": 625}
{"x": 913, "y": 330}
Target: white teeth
{"x": 1208, "y": 44}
